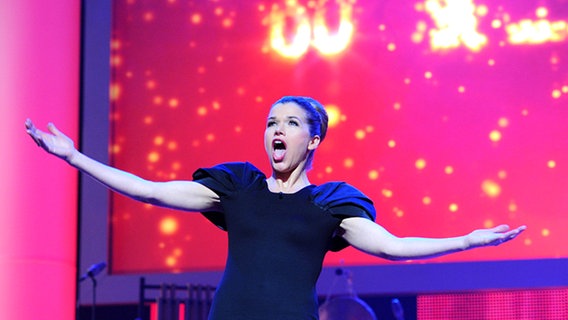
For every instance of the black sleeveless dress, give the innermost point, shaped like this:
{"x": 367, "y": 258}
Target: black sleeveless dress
{"x": 277, "y": 241}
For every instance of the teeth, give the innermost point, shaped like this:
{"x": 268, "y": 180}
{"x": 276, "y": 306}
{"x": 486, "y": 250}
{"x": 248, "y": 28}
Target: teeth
{"x": 278, "y": 145}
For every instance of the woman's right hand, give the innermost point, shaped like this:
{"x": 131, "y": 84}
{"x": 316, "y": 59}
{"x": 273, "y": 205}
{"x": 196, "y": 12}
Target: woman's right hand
{"x": 54, "y": 141}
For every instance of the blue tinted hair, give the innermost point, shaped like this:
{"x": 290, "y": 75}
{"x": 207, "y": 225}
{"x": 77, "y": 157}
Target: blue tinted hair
{"x": 316, "y": 117}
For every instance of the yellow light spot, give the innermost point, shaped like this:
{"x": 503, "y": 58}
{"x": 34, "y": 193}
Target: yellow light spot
{"x": 398, "y": 212}
{"x": 541, "y": 12}
{"x": 148, "y": 16}
{"x": 391, "y": 47}
{"x": 116, "y": 60}
{"x": 216, "y": 105}
{"x": 491, "y": 188}
{"x": 348, "y": 163}
{"x": 481, "y": 10}
{"x": 387, "y": 193}
{"x": 333, "y": 114}
{"x": 488, "y": 223}
{"x": 168, "y": 225}
{"x": 178, "y": 252}
{"x": 461, "y": 89}
{"x": 428, "y": 75}
{"x": 171, "y": 261}
{"x": 495, "y": 136}
{"x": 201, "y": 111}
{"x": 114, "y": 91}
{"x": 176, "y": 166}
{"x": 115, "y": 149}
{"x": 502, "y": 174}
{"x": 151, "y": 84}
{"x": 218, "y": 11}
{"x": 453, "y": 207}
{"x": 158, "y": 140}
{"x": 496, "y": 24}
{"x": 172, "y": 145}
{"x": 556, "y": 93}
{"x": 373, "y": 175}
{"x": 227, "y": 23}
{"x": 564, "y": 89}
{"x": 397, "y": 106}
{"x": 196, "y": 18}
{"x": 391, "y": 143}
{"x": 158, "y": 100}
{"x": 210, "y": 137}
{"x": 512, "y": 207}
{"x": 153, "y": 157}
{"x": 328, "y": 169}
{"x": 449, "y": 170}
{"x": 525, "y": 112}
{"x": 545, "y": 232}
{"x": 115, "y": 44}
{"x": 369, "y": 129}
{"x": 360, "y": 134}
{"x": 173, "y": 103}
{"x": 420, "y": 164}
{"x": 148, "y": 120}
{"x": 427, "y": 200}
{"x": 503, "y": 122}
{"x": 551, "y": 164}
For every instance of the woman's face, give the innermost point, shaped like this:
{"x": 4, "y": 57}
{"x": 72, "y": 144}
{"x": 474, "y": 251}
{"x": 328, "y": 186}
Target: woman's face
{"x": 287, "y": 137}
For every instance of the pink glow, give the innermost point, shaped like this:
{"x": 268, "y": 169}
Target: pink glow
{"x": 39, "y": 79}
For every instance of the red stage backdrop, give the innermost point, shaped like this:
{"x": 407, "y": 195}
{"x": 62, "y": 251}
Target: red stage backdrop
{"x": 450, "y": 115}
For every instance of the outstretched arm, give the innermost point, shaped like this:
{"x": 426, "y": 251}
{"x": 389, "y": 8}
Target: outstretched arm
{"x": 372, "y": 238}
{"x": 185, "y": 195}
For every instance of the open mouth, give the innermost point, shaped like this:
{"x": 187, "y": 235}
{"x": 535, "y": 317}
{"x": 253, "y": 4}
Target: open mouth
{"x": 279, "y": 150}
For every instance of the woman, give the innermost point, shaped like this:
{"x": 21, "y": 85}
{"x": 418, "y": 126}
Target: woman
{"x": 280, "y": 227}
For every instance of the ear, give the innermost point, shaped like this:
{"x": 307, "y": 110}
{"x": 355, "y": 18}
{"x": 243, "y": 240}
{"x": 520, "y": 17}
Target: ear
{"x": 314, "y": 143}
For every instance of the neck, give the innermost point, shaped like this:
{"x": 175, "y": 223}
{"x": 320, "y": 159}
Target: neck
{"x": 288, "y": 182}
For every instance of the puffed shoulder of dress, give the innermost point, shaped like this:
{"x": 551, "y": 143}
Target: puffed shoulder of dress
{"x": 340, "y": 199}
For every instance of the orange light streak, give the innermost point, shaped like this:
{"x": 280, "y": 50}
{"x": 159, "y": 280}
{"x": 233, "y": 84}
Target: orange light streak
{"x": 310, "y": 32}
{"x": 326, "y": 42}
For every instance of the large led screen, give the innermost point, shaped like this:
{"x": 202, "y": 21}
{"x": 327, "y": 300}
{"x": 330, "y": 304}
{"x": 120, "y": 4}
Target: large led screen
{"x": 450, "y": 115}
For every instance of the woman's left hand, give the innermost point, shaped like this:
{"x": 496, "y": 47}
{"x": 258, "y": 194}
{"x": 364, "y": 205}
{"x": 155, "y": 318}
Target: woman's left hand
{"x": 492, "y": 237}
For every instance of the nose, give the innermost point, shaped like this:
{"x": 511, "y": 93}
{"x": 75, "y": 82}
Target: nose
{"x": 279, "y": 130}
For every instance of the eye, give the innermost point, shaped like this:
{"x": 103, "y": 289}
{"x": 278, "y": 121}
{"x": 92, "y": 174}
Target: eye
{"x": 270, "y": 123}
{"x": 293, "y": 123}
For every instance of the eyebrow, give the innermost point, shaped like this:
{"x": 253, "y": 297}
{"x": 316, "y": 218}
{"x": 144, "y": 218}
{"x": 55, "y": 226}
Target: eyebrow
{"x": 287, "y": 117}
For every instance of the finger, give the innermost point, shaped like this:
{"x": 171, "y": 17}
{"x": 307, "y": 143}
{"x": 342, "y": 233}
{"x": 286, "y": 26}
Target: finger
{"x": 29, "y": 123}
{"x": 53, "y": 129}
{"x": 500, "y": 228}
{"x": 33, "y": 132}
